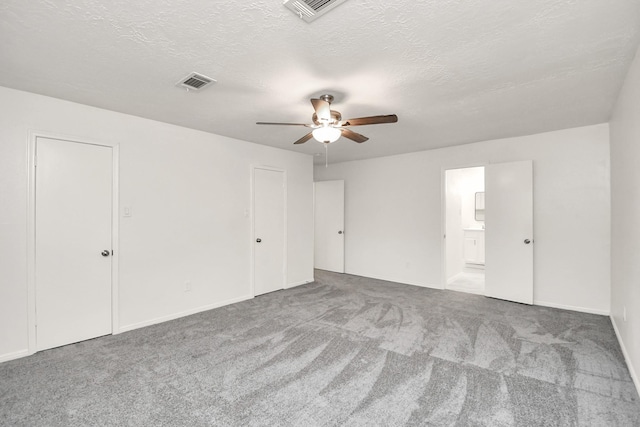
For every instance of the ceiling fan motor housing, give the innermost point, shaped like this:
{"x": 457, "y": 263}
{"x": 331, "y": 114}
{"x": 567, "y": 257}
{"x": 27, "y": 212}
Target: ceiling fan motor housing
{"x": 335, "y": 118}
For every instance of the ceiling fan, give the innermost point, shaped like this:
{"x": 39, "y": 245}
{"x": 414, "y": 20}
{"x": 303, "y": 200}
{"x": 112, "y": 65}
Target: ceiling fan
{"x": 328, "y": 125}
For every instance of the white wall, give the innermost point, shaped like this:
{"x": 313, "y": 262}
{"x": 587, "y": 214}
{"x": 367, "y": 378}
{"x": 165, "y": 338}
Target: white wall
{"x": 188, "y": 190}
{"x": 393, "y": 213}
{"x": 625, "y": 217}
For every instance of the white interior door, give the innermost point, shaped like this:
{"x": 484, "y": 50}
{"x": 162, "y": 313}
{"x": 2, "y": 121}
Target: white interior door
{"x": 73, "y": 238}
{"x": 269, "y": 230}
{"x": 509, "y": 231}
{"x": 329, "y": 226}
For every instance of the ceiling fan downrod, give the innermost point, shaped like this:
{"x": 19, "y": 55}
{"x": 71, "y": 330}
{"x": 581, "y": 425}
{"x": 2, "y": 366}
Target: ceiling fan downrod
{"x": 327, "y": 98}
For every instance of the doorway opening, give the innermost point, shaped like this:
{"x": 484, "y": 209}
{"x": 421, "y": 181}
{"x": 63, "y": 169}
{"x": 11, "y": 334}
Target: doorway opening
{"x": 465, "y": 230}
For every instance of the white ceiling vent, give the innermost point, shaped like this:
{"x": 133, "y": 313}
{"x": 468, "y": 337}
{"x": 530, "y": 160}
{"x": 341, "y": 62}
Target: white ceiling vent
{"x": 195, "y": 81}
{"x": 310, "y": 10}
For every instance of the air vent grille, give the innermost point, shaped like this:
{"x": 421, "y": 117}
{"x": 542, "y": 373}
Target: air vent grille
{"x": 317, "y": 4}
{"x": 310, "y": 10}
{"x": 195, "y": 81}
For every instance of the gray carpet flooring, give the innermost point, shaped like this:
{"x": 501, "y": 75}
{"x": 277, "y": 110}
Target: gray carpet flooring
{"x": 342, "y": 350}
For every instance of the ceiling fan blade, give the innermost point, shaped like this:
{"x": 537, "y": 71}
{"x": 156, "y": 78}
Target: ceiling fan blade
{"x": 323, "y": 109}
{"x": 371, "y": 120}
{"x": 353, "y": 136}
{"x": 283, "y": 124}
{"x": 304, "y": 138}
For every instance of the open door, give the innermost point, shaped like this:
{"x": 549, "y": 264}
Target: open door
{"x": 509, "y": 231}
{"x": 329, "y": 225}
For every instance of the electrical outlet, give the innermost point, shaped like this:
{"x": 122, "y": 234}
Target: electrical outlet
{"x": 187, "y": 286}
{"x": 624, "y": 313}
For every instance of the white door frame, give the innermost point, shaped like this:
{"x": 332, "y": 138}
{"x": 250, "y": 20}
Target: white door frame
{"x": 31, "y": 229}
{"x": 443, "y": 216}
{"x": 253, "y": 226}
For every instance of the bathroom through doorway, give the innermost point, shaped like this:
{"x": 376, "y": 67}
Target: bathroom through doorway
{"x": 465, "y": 230}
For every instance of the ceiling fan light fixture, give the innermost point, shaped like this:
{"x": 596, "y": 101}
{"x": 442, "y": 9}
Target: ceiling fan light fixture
{"x": 328, "y": 126}
{"x": 326, "y": 134}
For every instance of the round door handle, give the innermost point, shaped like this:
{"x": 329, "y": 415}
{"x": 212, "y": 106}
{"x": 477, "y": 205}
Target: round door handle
{"x": 258, "y": 240}
{"x": 340, "y": 232}
{"x": 105, "y": 253}
{"x": 527, "y": 241}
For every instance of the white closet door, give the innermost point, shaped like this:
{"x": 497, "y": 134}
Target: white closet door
{"x": 73, "y": 241}
{"x": 269, "y": 230}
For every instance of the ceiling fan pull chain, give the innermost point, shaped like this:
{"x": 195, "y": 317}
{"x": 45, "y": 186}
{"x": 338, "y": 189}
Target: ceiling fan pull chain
{"x": 326, "y": 155}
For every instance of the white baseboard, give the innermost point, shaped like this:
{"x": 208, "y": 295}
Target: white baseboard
{"x": 571, "y": 307}
{"x": 392, "y": 280}
{"x": 432, "y": 286}
{"x": 627, "y": 359}
{"x": 302, "y": 282}
{"x": 182, "y": 314}
{"x": 15, "y": 355}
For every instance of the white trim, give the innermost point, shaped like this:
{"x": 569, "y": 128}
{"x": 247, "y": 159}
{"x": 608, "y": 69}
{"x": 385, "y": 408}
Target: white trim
{"x": 15, "y": 355}
{"x": 31, "y": 237}
{"x": 115, "y": 242}
{"x": 253, "y": 225}
{"x": 436, "y": 286}
{"x": 183, "y": 313}
{"x": 252, "y": 275}
{"x": 443, "y": 229}
{"x": 571, "y": 307}
{"x": 313, "y": 227}
{"x": 302, "y": 282}
{"x": 627, "y": 359}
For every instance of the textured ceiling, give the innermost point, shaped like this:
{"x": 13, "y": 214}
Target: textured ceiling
{"x": 454, "y": 71}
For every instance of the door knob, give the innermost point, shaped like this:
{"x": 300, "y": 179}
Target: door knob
{"x": 340, "y": 232}
{"x": 527, "y": 241}
{"x": 258, "y": 240}
{"x": 105, "y": 253}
